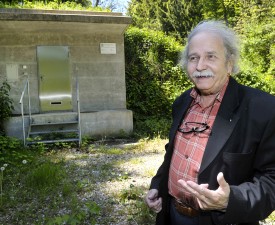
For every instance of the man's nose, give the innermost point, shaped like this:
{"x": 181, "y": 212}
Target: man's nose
{"x": 201, "y": 65}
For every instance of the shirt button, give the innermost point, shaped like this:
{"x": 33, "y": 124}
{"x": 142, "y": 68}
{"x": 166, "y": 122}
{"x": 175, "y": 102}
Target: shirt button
{"x": 186, "y": 156}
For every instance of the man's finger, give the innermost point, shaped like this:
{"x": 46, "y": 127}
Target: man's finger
{"x": 198, "y": 190}
{"x": 186, "y": 186}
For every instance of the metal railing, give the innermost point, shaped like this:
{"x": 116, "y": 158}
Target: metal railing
{"x": 26, "y": 91}
{"x": 21, "y": 102}
{"x": 78, "y": 112}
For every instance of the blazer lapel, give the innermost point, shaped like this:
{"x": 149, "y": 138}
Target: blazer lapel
{"x": 180, "y": 111}
{"x": 224, "y": 124}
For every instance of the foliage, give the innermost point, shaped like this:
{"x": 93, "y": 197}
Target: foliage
{"x": 139, "y": 211}
{"x": 56, "y": 5}
{"x": 6, "y": 104}
{"x": 92, "y": 210}
{"x": 44, "y": 176}
{"x": 41, "y": 183}
{"x": 179, "y": 17}
{"x": 262, "y": 82}
{"x": 173, "y": 17}
{"x": 109, "y": 4}
{"x": 256, "y": 30}
{"x": 22, "y": 3}
{"x": 152, "y": 127}
{"x": 144, "y": 14}
{"x": 226, "y": 10}
{"x": 11, "y": 150}
{"x": 153, "y": 77}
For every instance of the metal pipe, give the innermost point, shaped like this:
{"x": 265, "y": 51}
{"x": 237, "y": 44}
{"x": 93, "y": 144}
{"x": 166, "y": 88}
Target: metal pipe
{"x": 23, "y": 92}
{"x": 21, "y": 102}
{"x": 23, "y": 121}
{"x": 78, "y": 112}
{"x": 29, "y": 99}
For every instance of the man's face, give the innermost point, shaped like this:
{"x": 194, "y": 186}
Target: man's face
{"x": 207, "y": 66}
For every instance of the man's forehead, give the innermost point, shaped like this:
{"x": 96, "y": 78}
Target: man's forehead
{"x": 207, "y": 43}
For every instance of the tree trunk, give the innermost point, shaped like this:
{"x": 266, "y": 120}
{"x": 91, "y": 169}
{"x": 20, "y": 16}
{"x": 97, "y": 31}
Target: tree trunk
{"x": 225, "y": 13}
{"x": 97, "y": 3}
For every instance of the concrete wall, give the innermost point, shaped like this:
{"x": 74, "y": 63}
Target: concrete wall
{"x": 102, "y": 124}
{"x": 101, "y": 76}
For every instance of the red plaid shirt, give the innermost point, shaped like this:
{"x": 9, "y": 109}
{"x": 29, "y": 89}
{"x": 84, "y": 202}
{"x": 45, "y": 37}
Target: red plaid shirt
{"x": 189, "y": 147}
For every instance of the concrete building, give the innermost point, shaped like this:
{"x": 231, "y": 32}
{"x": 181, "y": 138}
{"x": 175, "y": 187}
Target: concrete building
{"x": 75, "y": 67}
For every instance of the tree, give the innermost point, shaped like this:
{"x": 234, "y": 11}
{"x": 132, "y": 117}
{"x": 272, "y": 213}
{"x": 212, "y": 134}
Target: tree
{"x": 97, "y": 3}
{"x": 174, "y": 17}
{"x": 108, "y": 4}
{"x": 145, "y": 14}
{"x": 226, "y": 10}
{"x": 179, "y": 17}
{"x": 256, "y": 29}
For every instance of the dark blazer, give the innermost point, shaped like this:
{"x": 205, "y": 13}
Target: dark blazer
{"x": 242, "y": 146}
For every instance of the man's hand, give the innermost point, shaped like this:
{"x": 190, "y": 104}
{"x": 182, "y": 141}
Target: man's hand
{"x": 208, "y": 199}
{"x": 153, "y": 201}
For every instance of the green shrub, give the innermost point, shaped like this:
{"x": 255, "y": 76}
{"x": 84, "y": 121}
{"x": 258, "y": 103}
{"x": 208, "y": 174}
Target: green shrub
{"x": 153, "y": 77}
{"x": 263, "y": 82}
{"x": 11, "y": 150}
{"x": 256, "y": 30}
{"x": 152, "y": 127}
{"x": 6, "y": 104}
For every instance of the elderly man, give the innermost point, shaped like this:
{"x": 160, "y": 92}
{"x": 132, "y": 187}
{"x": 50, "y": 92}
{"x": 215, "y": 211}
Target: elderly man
{"x": 219, "y": 166}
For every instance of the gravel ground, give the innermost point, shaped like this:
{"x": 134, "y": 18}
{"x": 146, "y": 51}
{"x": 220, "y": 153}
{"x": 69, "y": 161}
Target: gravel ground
{"x": 109, "y": 173}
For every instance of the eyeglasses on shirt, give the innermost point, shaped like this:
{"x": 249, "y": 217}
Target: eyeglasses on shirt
{"x": 194, "y": 127}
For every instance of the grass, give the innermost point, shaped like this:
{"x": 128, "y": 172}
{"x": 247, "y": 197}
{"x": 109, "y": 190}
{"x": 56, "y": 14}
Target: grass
{"x": 94, "y": 185}
{"x": 102, "y": 183}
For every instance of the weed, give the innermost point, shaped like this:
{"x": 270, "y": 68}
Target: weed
{"x": 44, "y": 176}
{"x": 1, "y": 185}
{"x": 137, "y": 209}
{"x": 78, "y": 217}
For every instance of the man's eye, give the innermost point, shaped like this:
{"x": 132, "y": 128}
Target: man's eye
{"x": 211, "y": 57}
{"x": 193, "y": 58}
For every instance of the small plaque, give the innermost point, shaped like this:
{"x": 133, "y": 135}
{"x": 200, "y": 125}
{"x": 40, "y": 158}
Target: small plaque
{"x": 108, "y": 48}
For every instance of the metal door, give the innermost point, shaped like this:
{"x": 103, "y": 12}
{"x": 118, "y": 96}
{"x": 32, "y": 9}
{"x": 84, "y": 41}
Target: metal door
{"x": 55, "y": 91}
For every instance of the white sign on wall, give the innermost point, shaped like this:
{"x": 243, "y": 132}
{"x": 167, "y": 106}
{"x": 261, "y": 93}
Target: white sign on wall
{"x": 108, "y": 48}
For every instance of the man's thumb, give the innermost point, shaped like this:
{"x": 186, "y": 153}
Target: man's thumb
{"x": 152, "y": 194}
{"x": 221, "y": 181}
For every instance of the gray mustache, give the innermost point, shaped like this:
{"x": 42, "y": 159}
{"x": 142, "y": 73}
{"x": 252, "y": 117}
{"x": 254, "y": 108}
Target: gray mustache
{"x": 202, "y": 74}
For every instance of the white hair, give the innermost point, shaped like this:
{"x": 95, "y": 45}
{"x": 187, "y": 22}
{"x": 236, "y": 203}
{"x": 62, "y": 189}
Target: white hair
{"x": 228, "y": 36}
